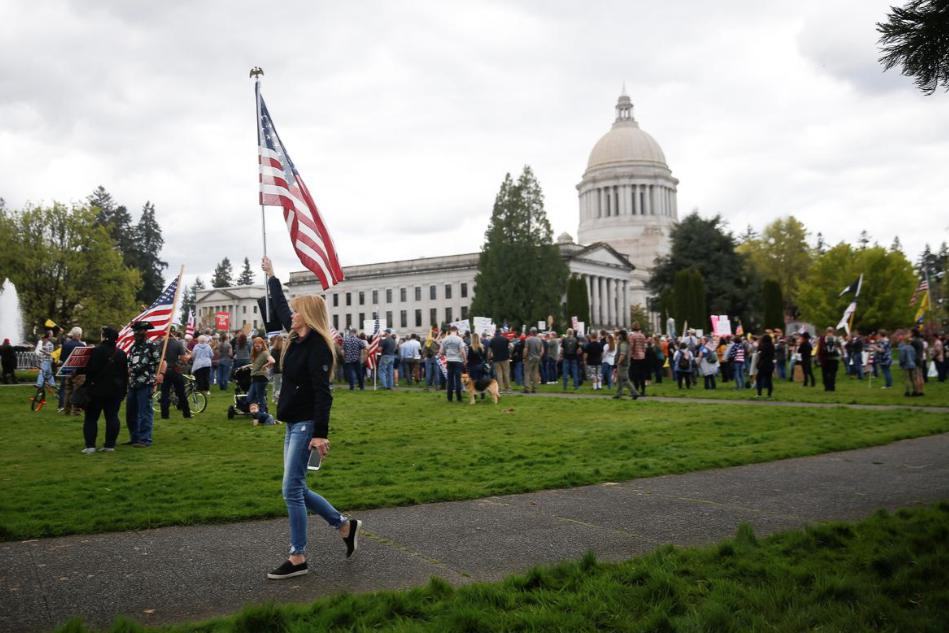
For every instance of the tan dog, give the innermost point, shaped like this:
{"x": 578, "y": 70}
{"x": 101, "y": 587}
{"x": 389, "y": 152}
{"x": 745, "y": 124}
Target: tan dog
{"x": 489, "y": 385}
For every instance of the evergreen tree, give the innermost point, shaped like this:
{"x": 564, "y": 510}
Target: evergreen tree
{"x": 682, "y": 307}
{"x": 223, "y": 274}
{"x": 521, "y": 275}
{"x": 700, "y": 312}
{"x": 914, "y": 37}
{"x": 821, "y": 247}
{"x": 864, "y": 239}
{"x": 731, "y": 284}
{"x": 896, "y": 245}
{"x": 578, "y": 302}
{"x": 246, "y": 277}
{"x": 773, "y": 304}
{"x": 148, "y": 245}
{"x": 117, "y": 222}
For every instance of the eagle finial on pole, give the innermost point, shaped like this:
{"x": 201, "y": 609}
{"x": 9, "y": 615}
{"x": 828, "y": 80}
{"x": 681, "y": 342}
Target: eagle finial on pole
{"x": 256, "y": 71}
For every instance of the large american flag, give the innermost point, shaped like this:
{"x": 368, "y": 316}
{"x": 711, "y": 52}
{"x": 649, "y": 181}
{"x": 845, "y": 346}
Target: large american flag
{"x": 281, "y": 186}
{"x": 920, "y": 290}
{"x": 158, "y": 316}
{"x": 373, "y": 351}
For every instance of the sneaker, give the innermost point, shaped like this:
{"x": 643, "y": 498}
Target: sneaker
{"x": 89, "y": 451}
{"x": 352, "y": 540}
{"x": 139, "y": 445}
{"x": 106, "y": 449}
{"x": 288, "y": 570}
{"x": 60, "y": 410}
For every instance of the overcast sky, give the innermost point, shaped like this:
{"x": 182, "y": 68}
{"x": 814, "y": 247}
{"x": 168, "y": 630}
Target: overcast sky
{"x": 403, "y": 117}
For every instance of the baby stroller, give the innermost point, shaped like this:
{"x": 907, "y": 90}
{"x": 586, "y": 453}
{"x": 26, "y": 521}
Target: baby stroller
{"x": 241, "y": 378}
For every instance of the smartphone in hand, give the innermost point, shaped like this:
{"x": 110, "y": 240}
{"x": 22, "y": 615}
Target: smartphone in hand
{"x": 315, "y": 460}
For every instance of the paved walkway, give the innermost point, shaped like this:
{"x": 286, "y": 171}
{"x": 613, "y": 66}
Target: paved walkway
{"x": 190, "y": 573}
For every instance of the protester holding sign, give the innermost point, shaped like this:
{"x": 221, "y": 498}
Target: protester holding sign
{"x": 67, "y": 385}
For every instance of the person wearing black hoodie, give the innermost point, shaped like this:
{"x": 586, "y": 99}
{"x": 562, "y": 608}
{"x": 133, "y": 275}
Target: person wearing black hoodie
{"x": 765, "y": 364}
{"x": 304, "y": 405}
{"x": 106, "y": 380}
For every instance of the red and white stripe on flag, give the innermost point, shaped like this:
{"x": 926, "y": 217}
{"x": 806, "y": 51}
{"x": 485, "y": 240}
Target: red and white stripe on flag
{"x": 281, "y": 186}
{"x": 189, "y": 329}
{"x": 373, "y": 351}
{"x": 158, "y": 316}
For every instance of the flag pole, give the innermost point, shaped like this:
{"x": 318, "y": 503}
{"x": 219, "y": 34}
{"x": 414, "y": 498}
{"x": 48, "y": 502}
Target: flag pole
{"x": 174, "y": 306}
{"x": 256, "y": 73}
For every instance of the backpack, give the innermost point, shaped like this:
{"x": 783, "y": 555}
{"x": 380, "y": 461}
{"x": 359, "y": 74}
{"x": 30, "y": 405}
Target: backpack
{"x": 710, "y": 356}
{"x": 684, "y": 361}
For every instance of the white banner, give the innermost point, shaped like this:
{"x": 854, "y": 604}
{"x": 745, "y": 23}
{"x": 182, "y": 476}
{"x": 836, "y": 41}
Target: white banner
{"x": 484, "y": 324}
{"x": 541, "y": 326}
{"x": 844, "y": 320}
{"x": 369, "y": 326}
{"x": 461, "y": 325}
{"x": 580, "y": 328}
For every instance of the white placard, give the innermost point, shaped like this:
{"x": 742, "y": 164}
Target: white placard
{"x": 723, "y": 326}
{"x": 580, "y": 328}
{"x": 541, "y": 326}
{"x": 484, "y": 324}
{"x": 369, "y": 326}
{"x": 461, "y": 325}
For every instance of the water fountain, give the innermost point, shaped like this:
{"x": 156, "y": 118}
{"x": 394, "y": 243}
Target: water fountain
{"x": 11, "y": 317}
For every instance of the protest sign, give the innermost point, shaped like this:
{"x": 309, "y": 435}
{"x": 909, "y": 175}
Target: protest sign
{"x": 369, "y": 326}
{"x": 77, "y": 359}
{"x": 461, "y": 325}
{"x": 484, "y": 324}
{"x": 222, "y": 321}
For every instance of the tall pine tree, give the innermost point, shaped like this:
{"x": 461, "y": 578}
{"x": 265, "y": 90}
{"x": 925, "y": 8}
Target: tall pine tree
{"x": 246, "y": 277}
{"x": 148, "y": 245}
{"x": 773, "y": 304}
{"x": 117, "y": 222}
{"x": 578, "y": 301}
{"x": 521, "y": 276}
{"x": 223, "y": 274}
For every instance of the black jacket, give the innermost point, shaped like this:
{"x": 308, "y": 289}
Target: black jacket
{"x": 305, "y": 393}
{"x": 107, "y": 373}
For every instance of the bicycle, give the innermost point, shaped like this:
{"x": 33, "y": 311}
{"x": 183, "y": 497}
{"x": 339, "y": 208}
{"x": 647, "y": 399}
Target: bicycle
{"x": 197, "y": 400}
{"x": 39, "y": 398}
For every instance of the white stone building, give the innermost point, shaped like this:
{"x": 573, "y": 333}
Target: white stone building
{"x": 627, "y": 201}
{"x": 628, "y": 197}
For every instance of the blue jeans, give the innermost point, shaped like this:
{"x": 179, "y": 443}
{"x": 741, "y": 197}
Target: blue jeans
{"x": 454, "y": 379}
{"x": 858, "y": 366}
{"x": 299, "y": 498}
{"x": 782, "y": 370}
{"x": 432, "y": 372}
{"x": 258, "y": 393}
{"x": 887, "y": 375}
{"x": 46, "y": 377}
{"x": 606, "y": 375}
{"x": 354, "y": 374}
{"x": 571, "y": 367}
{"x": 519, "y": 373}
{"x": 224, "y": 373}
{"x": 387, "y": 370}
{"x": 739, "y": 375}
{"x": 139, "y": 414}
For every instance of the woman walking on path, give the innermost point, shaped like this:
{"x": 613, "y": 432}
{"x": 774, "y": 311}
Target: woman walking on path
{"x": 765, "y": 364}
{"x": 106, "y": 380}
{"x": 305, "y": 402}
{"x": 201, "y": 357}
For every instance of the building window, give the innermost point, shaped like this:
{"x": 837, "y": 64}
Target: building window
{"x": 375, "y": 315}
{"x": 349, "y": 298}
{"x": 245, "y": 310}
{"x": 403, "y": 318}
{"x": 389, "y": 322}
{"x": 448, "y": 291}
{"x": 388, "y": 295}
{"x": 418, "y": 293}
{"x": 362, "y": 298}
{"x": 335, "y": 300}
{"x": 375, "y": 297}
{"x": 448, "y": 314}
{"x": 464, "y": 312}
{"x": 336, "y": 322}
{"x": 464, "y": 291}
{"x": 255, "y": 309}
{"x": 362, "y": 318}
{"x": 349, "y": 321}
{"x": 433, "y": 292}
{"x": 433, "y": 316}
{"x": 255, "y": 324}
{"x": 403, "y": 295}
{"x": 418, "y": 318}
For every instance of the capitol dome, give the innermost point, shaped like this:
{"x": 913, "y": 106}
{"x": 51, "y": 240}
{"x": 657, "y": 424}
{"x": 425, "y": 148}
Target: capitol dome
{"x": 626, "y": 142}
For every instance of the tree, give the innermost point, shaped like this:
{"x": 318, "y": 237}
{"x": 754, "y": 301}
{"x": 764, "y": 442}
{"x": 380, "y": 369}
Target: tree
{"x": 521, "y": 275}
{"x": 65, "y": 268}
{"x": 773, "y": 304}
{"x": 638, "y": 314}
{"x": 821, "y": 247}
{"x": 781, "y": 254}
{"x": 731, "y": 284}
{"x": 117, "y": 222}
{"x": 896, "y": 245}
{"x": 148, "y": 245}
{"x": 222, "y": 277}
{"x": 578, "y": 301}
{"x": 864, "y": 240}
{"x": 888, "y": 283}
{"x": 246, "y": 277}
{"x": 189, "y": 299}
{"x": 915, "y": 38}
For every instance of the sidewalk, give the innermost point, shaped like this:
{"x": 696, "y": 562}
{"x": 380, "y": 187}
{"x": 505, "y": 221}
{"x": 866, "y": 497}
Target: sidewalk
{"x": 190, "y": 573}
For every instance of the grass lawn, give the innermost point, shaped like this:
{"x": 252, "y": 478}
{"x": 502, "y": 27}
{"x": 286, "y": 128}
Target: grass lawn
{"x": 394, "y": 449}
{"x": 849, "y": 391}
{"x": 888, "y": 573}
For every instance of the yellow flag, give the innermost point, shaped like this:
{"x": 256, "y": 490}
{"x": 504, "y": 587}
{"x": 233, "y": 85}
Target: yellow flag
{"x": 923, "y": 308}
{"x": 49, "y": 323}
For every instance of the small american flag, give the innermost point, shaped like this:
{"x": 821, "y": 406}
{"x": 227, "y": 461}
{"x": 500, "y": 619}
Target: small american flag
{"x": 189, "y": 329}
{"x": 158, "y": 316}
{"x": 373, "y": 351}
{"x": 443, "y": 365}
{"x": 281, "y": 186}
{"x": 920, "y": 290}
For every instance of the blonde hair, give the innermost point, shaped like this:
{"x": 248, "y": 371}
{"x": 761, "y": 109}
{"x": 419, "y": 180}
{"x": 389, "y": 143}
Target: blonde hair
{"x": 475, "y": 341}
{"x": 313, "y": 310}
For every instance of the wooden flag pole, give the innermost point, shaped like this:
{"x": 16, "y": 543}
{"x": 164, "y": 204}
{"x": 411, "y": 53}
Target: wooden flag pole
{"x": 256, "y": 72}
{"x": 174, "y": 306}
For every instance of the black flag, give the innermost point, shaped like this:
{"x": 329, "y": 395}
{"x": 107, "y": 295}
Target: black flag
{"x": 854, "y": 288}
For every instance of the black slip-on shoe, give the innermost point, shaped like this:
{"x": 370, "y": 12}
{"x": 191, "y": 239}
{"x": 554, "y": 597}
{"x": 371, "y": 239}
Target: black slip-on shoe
{"x": 352, "y": 540}
{"x": 288, "y": 570}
